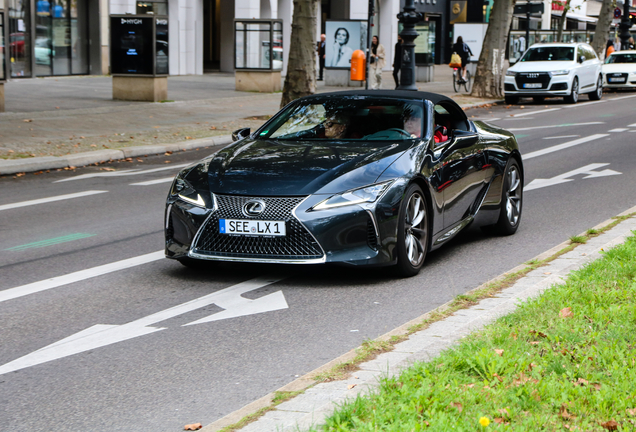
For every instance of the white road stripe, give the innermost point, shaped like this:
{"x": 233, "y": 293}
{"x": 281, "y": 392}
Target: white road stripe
{"x": 488, "y": 119}
{"x": 584, "y": 105}
{"x": 563, "y": 146}
{"x": 623, "y": 97}
{"x": 50, "y": 199}
{"x": 534, "y": 112}
{"x": 632, "y": 125}
{"x": 81, "y": 275}
{"x": 618, "y": 130}
{"x": 554, "y": 126}
{"x": 130, "y": 172}
{"x": 152, "y": 182}
{"x": 564, "y": 136}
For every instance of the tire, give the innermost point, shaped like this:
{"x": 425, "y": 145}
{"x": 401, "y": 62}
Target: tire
{"x": 412, "y": 238}
{"x": 598, "y": 93}
{"x": 511, "y": 100}
{"x": 511, "y": 202}
{"x": 194, "y": 264}
{"x": 455, "y": 78}
{"x": 538, "y": 99}
{"x": 469, "y": 81}
{"x": 574, "y": 94}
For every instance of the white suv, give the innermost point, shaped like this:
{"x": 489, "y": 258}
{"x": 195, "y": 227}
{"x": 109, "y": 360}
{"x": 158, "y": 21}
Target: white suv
{"x": 555, "y": 69}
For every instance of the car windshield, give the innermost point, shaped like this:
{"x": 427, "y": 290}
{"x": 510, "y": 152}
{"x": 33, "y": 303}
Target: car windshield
{"x": 549, "y": 53}
{"x": 348, "y": 118}
{"x": 621, "y": 58}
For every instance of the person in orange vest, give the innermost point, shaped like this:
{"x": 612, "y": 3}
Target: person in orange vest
{"x": 609, "y": 48}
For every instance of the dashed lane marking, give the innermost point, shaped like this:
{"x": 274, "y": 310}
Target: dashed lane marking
{"x": 50, "y": 242}
{"x": 51, "y": 199}
{"x": 152, "y": 182}
{"x": 618, "y": 130}
{"x": 563, "y": 146}
{"x": 534, "y": 112}
{"x": 563, "y": 136}
{"x": 554, "y": 126}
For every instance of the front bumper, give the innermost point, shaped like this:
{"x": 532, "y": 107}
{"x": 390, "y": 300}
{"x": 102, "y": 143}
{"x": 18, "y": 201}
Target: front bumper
{"x": 355, "y": 234}
{"x": 558, "y": 85}
{"x": 619, "y": 80}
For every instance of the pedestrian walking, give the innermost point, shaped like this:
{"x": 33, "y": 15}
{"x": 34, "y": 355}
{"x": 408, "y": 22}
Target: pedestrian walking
{"x": 464, "y": 52}
{"x": 397, "y": 61}
{"x": 320, "y": 49}
{"x": 609, "y": 48}
{"x": 378, "y": 62}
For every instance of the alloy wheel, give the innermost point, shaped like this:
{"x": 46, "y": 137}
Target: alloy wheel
{"x": 513, "y": 196}
{"x": 415, "y": 225}
{"x": 575, "y": 91}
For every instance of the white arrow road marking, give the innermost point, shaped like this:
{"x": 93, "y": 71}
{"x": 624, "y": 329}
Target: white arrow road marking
{"x": 534, "y": 112}
{"x": 101, "y": 335}
{"x": 564, "y": 178}
{"x": 130, "y": 172}
{"x": 55, "y": 282}
{"x": 563, "y": 146}
{"x": 51, "y": 199}
{"x": 153, "y": 182}
{"x": 561, "y": 137}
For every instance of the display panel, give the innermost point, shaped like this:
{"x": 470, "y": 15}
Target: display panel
{"x": 343, "y": 38}
{"x": 2, "y": 48}
{"x": 258, "y": 44}
{"x": 132, "y": 50}
{"x": 163, "y": 66}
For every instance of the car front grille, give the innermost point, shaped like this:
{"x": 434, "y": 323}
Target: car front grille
{"x": 523, "y": 78}
{"x": 616, "y": 78}
{"x": 297, "y": 244}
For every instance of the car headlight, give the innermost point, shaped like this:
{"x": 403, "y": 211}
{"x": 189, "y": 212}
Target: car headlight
{"x": 363, "y": 195}
{"x": 184, "y": 190}
{"x": 510, "y": 73}
{"x": 560, "y": 72}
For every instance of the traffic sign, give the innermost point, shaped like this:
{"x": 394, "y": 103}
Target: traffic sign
{"x": 617, "y": 13}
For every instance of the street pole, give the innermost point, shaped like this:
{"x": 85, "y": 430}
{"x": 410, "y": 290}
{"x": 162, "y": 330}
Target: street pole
{"x": 625, "y": 26}
{"x": 408, "y": 17}
{"x": 368, "y": 59}
{"x": 527, "y": 24}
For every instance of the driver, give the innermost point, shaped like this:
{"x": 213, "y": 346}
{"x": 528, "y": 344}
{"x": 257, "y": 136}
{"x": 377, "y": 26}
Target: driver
{"x": 413, "y": 124}
{"x": 335, "y": 126}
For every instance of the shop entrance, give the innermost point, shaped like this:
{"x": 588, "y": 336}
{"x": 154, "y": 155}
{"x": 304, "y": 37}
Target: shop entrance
{"x": 211, "y": 35}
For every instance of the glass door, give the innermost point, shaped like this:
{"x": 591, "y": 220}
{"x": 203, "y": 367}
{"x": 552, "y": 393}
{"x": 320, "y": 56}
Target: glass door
{"x": 19, "y": 38}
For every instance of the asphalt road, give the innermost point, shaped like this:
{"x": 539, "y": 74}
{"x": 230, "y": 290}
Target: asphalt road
{"x": 139, "y": 365}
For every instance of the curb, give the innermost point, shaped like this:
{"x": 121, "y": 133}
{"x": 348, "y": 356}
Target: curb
{"x": 319, "y": 400}
{"x": 15, "y": 166}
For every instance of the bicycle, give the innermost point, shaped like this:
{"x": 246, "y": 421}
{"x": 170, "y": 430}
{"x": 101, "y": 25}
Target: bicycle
{"x": 458, "y": 82}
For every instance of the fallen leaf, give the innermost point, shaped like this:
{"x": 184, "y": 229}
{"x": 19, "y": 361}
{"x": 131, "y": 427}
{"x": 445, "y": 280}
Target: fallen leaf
{"x": 81, "y": 137}
{"x": 499, "y": 352}
{"x": 350, "y": 386}
{"x": 107, "y": 169}
{"x": 499, "y": 420}
{"x": 27, "y": 120}
{"x": 188, "y": 137}
{"x": 193, "y": 426}
{"x": 57, "y": 107}
{"x": 540, "y": 334}
{"x": 213, "y": 127}
{"x": 563, "y": 412}
{"x": 93, "y": 145}
{"x": 631, "y": 412}
{"x": 597, "y": 386}
{"x": 535, "y": 343}
{"x": 547, "y": 273}
{"x": 610, "y": 425}
{"x": 566, "y": 312}
{"x": 167, "y": 162}
{"x": 168, "y": 153}
{"x": 457, "y": 405}
{"x": 580, "y": 382}
{"x": 498, "y": 377}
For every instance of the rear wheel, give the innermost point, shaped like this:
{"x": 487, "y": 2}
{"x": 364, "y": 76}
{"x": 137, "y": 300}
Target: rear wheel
{"x": 511, "y": 201}
{"x": 412, "y": 243}
{"x": 598, "y": 93}
{"x": 511, "y": 100}
{"x": 574, "y": 94}
{"x": 468, "y": 82}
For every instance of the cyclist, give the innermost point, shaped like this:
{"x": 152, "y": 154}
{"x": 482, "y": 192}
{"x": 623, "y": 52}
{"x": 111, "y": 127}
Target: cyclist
{"x": 463, "y": 50}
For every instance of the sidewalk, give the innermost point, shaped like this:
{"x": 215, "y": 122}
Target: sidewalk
{"x": 316, "y": 402}
{"x": 59, "y": 122}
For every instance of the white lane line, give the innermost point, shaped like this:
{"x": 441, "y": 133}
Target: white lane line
{"x": 130, "y": 172}
{"x": 554, "y": 126}
{"x": 488, "y": 119}
{"x": 563, "y": 146}
{"x": 534, "y": 112}
{"x": 623, "y": 97}
{"x": 12, "y": 293}
{"x": 152, "y": 182}
{"x": 632, "y": 125}
{"x": 584, "y": 105}
{"x": 50, "y": 199}
{"x": 618, "y": 130}
{"x": 564, "y": 136}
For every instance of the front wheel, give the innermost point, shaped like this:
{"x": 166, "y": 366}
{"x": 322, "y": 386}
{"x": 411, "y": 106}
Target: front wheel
{"x": 412, "y": 238}
{"x": 598, "y": 93}
{"x": 574, "y": 95}
{"x": 511, "y": 201}
{"x": 456, "y": 75}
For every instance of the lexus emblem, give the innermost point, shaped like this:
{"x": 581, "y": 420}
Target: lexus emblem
{"x": 253, "y": 207}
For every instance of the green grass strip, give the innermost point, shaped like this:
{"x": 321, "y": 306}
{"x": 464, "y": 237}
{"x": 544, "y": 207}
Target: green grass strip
{"x": 51, "y": 242}
{"x": 563, "y": 361}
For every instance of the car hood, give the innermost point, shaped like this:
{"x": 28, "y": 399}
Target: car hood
{"x": 619, "y": 67}
{"x": 541, "y": 66}
{"x": 278, "y": 168}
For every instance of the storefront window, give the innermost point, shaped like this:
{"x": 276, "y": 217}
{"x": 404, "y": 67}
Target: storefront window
{"x": 258, "y": 44}
{"x": 425, "y": 43}
{"x": 158, "y": 7}
{"x": 19, "y": 38}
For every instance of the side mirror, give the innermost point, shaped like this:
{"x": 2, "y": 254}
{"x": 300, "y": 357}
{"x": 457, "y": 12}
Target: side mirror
{"x": 239, "y": 134}
{"x": 581, "y": 59}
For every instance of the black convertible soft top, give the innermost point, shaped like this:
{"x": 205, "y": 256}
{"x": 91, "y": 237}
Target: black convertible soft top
{"x": 406, "y": 94}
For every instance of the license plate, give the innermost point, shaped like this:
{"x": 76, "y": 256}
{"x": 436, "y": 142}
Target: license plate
{"x": 252, "y": 227}
{"x": 532, "y": 85}
{"x": 616, "y": 80}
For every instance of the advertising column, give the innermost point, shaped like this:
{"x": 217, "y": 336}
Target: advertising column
{"x": 139, "y": 57}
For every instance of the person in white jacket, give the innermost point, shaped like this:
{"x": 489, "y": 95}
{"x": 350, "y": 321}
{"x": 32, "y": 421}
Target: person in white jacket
{"x": 378, "y": 61}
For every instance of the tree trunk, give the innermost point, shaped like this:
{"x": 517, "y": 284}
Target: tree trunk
{"x": 601, "y": 34}
{"x": 562, "y": 21}
{"x": 301, "y": 66}
{"x": 490, "y": 69}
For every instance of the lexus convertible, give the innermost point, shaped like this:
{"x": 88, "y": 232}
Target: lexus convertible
{"x": 356, "y": 177}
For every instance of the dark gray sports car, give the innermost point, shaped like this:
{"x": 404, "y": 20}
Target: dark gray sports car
{"x": 354, "y": 177}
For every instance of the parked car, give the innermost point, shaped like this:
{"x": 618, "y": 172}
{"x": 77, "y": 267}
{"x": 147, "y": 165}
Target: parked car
{"x": 555, "y": 70}
{"x": 43, "y": 51}
{"x": 619, "y": 70}
{"x": 355, "y": 177}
